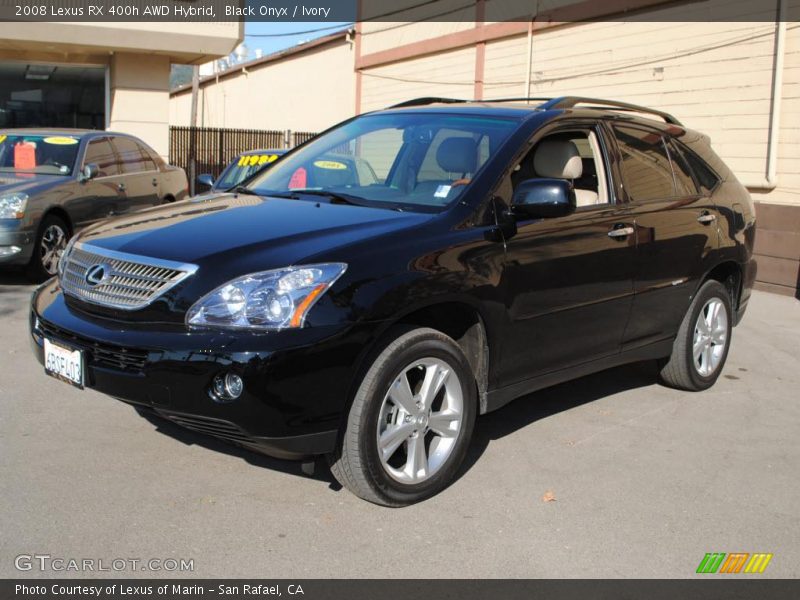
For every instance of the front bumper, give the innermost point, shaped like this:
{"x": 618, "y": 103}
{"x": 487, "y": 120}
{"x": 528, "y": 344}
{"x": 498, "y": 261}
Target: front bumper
{"x": 16, "y": 246}
{"x": 296, "y": 383}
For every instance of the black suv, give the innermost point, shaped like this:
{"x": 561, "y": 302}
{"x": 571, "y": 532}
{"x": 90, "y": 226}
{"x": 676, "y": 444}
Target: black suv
{"x": 483, "y": 250}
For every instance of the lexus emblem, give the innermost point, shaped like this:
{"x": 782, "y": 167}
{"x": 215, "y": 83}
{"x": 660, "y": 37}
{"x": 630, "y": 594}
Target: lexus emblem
{"x": 98, "y": 274}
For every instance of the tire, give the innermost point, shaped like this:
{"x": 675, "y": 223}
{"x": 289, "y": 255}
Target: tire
{"x": 682, "y": 370}
{"x": 439, "y": 425}
{"x": 51, "y": 240}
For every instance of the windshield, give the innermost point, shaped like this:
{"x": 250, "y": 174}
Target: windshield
{"x": 412, "y": 161}
{"x": 244, "y": 166}
{"x": 38, "y": 154}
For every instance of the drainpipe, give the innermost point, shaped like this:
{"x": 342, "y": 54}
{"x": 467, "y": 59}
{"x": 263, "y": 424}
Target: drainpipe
{"x": 530, "y": 60}
{"x": 771, "y": 180}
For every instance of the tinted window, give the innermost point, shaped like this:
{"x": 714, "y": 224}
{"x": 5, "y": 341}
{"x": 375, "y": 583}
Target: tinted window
{"x": 100, "y": 153}
{"x": 45, "y": 154}
{"x": 130, "y": 155}
{"x": 683, "y": 174}
{"x": 646, "y": 170}
{"x": 706, "y": 178}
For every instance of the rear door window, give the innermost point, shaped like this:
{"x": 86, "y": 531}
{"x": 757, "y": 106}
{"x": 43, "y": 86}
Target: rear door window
{"x": 707, "y": 179}
{"x": 646, "y": 169}
{"x": 130, "y": 155}
{"x": 684, "y": 181}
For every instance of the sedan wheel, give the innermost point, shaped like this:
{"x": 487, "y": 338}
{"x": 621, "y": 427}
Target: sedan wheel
{"x": 51, "y": 241}
{"x": 51, "y": 247}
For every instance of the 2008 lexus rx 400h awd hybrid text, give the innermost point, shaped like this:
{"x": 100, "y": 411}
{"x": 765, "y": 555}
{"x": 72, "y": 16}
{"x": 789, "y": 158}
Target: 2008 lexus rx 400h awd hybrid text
{"x": 382, "y": 285}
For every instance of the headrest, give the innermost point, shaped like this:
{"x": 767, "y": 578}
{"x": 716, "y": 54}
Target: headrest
{"x": 458, "y": 155}
{"x": 558, "y": 159}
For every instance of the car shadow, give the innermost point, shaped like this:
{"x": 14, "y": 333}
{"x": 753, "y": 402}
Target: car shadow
{"x": 511, "y": 418}
{"x": 15, "y": 292}
{"x": 529, "y": 409}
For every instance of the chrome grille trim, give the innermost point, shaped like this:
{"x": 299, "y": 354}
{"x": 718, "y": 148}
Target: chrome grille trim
{"x": 132, "y": 283}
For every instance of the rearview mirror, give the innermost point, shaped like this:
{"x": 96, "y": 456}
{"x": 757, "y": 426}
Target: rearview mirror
{"x": 203, "y": 183}
{"x": 90, "y": 171}
{"x": 543, "y": 198}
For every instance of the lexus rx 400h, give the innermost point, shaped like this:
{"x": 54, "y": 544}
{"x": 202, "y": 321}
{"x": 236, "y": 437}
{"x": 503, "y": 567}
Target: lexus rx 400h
{"x": 381, "y": 286}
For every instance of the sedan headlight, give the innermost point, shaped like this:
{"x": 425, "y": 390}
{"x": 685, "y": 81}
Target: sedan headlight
{"x": 269, "y": 300}
{"x": 12, "y": 206}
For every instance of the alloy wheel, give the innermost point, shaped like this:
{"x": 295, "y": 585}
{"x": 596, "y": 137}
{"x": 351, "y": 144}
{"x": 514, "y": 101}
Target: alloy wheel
{"x": 710, "y": 337}
{"x": 420, "y": 420}
{"x": 54, "y": 241}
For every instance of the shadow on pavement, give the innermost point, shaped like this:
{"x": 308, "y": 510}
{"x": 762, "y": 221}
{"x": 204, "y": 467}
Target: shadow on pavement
{"x": 513, "y": 417}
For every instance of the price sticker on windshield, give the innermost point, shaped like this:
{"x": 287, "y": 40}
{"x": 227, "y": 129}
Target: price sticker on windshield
{"x": 253, "y": 160}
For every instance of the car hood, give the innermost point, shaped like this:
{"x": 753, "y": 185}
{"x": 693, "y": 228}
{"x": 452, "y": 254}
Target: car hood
{"x": 244, "y": 232}
{"x": 29, "y": 184}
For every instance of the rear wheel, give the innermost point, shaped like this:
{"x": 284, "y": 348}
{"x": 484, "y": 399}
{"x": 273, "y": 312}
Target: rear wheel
{"x": 410, "y": 423}
{"x": 701, "y": 347}
{"x": 51, "y": 241}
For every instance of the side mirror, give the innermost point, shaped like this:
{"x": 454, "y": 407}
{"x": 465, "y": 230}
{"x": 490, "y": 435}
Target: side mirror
{"x": 90, "y": 171}
{"x": 543, "y": 199}
{"x": 203, "y": 183}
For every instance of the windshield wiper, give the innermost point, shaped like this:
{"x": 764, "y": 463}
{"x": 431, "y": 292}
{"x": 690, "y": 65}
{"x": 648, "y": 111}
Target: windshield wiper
{"x": 334, "y": 196}
{"x": 240, "y": 189}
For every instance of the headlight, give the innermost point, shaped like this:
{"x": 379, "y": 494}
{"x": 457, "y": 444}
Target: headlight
{"x": 62, "y": 262}
{"x": 12, "y": 206}
{"x": 269, "y": 300}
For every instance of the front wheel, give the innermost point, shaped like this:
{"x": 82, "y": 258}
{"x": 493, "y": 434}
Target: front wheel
{"x": 410, "y": 423}
{"x": 701, "y": 346}
{"x": 51, "y": 240}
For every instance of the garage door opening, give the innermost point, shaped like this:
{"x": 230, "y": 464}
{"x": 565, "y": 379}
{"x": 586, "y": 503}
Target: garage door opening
{"x": 42, "y": 95}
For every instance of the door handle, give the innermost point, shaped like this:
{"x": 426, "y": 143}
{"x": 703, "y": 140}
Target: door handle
{"x": 155, "y": 182}
{"x": 121, "y": 187}
{"x": 705, "y": 218}
{"x": 621, "y": 231}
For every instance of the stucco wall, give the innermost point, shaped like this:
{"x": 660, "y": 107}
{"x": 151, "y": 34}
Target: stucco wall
{"x": 307, "y": 91}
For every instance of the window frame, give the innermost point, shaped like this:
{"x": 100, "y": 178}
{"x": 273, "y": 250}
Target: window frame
{"x": 117, "y": 162}
{"x": 621, "y": 169}
{"x": 565, "y": 126}
{"x": 685, "y": 152}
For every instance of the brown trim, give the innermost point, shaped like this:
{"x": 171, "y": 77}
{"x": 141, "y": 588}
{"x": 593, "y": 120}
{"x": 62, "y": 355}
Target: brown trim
{"x": 585, "y": 10}
{"x": 480, "y": 51}
{"x": 777, "y": 248}
{"x": 357, "y": 50}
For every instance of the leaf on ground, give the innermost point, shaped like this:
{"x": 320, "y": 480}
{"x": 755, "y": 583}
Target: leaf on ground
{"x": 549, "y": 496}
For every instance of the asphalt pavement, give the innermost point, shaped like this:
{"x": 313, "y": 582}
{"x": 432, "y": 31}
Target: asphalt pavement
{"x": 611, "y": 475}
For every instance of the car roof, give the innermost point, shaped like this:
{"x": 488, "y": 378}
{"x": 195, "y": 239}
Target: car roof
{"x": 545, "y": 109}
{"x": 263, "y": 151}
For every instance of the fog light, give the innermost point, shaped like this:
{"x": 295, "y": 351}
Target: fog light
{"x": 226, "y": 387}
{"x": 234, "y": 385}
{"x": 9, "y": 250}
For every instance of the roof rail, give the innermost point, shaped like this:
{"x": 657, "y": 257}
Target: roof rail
{"x": 572, "y": 101}
{"x": 561, "y": 102}
{"x": 429, "y": 100}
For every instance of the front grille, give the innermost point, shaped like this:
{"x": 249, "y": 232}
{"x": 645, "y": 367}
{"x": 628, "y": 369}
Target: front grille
{"x": 119, "y": 280}
{"x": 103, "y": 355}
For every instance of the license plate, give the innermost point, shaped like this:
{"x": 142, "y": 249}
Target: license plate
{"x": 63, "y": 363}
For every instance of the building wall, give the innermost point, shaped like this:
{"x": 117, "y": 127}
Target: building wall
{"x": 139, "y": 102}
{"x": 716, "y": 77}
{"x": 305, "y": 91}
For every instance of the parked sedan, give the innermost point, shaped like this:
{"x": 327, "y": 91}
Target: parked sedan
{"x": 54, "y": 182}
